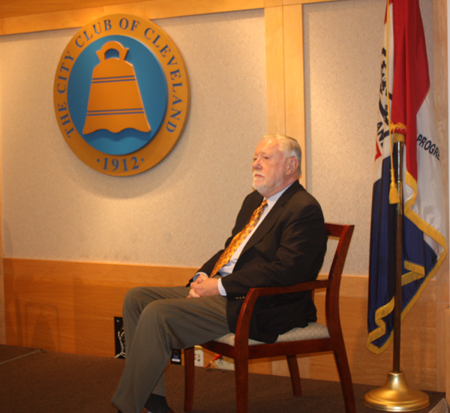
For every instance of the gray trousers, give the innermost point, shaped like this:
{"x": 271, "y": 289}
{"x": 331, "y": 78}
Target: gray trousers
{"x": 156, "y": 321}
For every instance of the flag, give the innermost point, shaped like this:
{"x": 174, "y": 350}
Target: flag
{"x": 405, "y": 110}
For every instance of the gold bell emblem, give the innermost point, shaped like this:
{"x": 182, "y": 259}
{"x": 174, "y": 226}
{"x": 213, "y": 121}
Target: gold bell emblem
{"x": 115, "y": 101}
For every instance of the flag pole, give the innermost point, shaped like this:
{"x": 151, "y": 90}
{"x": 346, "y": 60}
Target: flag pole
{"x": 399, "y": 142}
{"x": 395, "y": 395}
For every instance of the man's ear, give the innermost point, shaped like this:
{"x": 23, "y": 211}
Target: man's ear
{"x": 292, "y": 166}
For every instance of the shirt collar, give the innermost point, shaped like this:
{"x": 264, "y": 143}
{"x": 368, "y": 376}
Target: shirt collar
{"x": 274, "y": 198}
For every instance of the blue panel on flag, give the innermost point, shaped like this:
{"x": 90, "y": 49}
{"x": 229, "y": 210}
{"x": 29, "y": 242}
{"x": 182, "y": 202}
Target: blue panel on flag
{"x": 382, "y": 255}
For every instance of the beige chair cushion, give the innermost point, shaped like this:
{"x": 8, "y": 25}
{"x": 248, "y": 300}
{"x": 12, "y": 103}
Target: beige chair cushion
{"x": 312, "y": 331}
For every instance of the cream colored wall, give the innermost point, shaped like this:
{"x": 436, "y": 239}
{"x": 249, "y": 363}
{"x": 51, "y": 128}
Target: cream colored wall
{"x": 178, "y": 213}
{"x": 342, "y": 60}
{"x": 55, "y": 207}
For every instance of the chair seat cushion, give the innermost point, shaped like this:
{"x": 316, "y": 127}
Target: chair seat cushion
{"x": 311, "y": 332}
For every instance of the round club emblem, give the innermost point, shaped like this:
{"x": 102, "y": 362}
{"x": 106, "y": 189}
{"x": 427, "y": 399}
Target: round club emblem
{"x": 121, "y": 94}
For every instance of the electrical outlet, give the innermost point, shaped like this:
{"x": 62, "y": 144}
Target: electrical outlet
{"x": 198, "y": 357}
{"x": 119, "y": 338}
{"x": 224, "y": 363}
{"x": 176, "y": 356}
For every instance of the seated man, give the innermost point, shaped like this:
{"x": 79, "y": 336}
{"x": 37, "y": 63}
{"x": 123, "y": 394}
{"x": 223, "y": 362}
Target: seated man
{"x": 279, "y": 239}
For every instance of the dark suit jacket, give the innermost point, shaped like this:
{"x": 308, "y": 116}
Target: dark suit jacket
{"x": 286, "y": 249}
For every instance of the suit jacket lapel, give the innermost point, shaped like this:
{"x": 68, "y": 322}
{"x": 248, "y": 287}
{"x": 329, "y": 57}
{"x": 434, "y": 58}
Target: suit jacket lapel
{"x": 272, "y": 216}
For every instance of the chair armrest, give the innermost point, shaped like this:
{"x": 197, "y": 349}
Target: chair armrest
{"x": 243, "y": 324}
{"x": 306, "y": 286}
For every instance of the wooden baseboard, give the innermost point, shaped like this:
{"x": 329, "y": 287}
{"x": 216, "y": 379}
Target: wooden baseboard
{"x": 447, "y": 348}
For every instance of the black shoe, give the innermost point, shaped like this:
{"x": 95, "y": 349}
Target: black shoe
{"x": 157, "y": 404}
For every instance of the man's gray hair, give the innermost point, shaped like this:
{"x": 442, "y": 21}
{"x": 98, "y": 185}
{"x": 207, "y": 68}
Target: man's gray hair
{"x": 290, "y": 147}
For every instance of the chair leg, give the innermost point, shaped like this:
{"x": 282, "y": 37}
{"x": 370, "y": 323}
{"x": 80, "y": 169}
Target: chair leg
{"x": 241, "y": 374}
{"x": 295, "y": 375}
{"x": 340, "y": 356}
{"x": 189, "y": 373}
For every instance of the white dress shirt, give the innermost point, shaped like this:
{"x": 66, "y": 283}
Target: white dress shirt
{"x": 228, "y": 268}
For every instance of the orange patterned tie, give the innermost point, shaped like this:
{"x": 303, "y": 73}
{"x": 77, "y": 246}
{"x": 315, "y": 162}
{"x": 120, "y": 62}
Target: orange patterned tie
{"x": 238, "y": 238}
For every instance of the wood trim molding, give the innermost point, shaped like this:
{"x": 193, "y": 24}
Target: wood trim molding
{"x": 447, "y": 353}
{"x": 275, "y": 70}
{"x": 153, "y": 9}
{"x": 295, "y": 78}
{"x": 285, "y": 74}
{"x": 27, "y": 16}
{"x": 2, "y": 307}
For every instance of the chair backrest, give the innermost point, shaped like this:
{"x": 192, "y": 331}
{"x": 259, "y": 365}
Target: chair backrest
{"x": 344, "y": 233}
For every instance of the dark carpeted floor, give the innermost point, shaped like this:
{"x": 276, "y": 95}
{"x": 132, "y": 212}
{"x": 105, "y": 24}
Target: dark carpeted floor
{"x": 34, "y": 381}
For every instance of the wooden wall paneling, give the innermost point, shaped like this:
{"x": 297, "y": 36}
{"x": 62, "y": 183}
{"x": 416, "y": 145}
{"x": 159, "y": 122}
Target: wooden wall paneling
{"x": 294, "y": 77}
{"x": 2, "y": 307}
{"x": 440, "y": 66}
{"x": 19, "y": 8}
{"x": 2, "y": 283}
{"x": 447, "y": 352}
{"x": 70, "y": 307}
{"x": 48, "y": 19}
{"x": 276, "y": 112}
{"x": 291, "y": 2}
{"x": 442, "y": 304}
{"x": 273, "y": 3}
{"x": 15, "y": 8}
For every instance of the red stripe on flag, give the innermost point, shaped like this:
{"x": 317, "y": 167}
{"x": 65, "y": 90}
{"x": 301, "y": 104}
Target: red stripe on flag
{"x": 411, "y": 80}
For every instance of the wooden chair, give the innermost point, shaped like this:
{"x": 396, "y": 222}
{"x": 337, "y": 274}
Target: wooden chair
{"x": 314, "y": 338}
